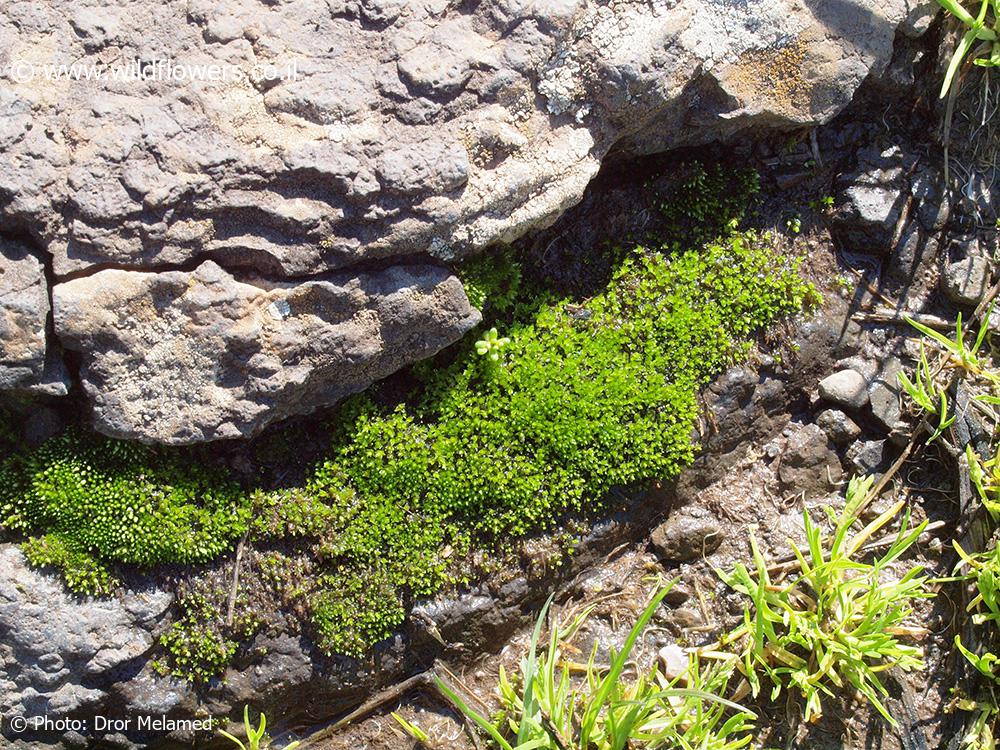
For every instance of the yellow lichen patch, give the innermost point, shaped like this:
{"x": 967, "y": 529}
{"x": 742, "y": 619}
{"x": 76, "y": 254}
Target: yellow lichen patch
{"x": 771, "y": 76}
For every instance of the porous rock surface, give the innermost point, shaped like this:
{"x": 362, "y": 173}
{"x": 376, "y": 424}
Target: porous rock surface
{"x": 59, "y": 654}
{"x": 25, "y": 363}
{"x": 333, "y": 134}
{"x": 162, "y": 350}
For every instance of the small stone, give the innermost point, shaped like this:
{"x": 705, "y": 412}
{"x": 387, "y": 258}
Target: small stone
{"x": 933, "y": 205}
{"x": 914, "y": 254}
{"x": 884, "y": 394}
{"x": 685, "y": 618}
{"x": 673, "y": 660}
{"x": 867, "y": 457}
{"x": 809, "y": 463}
{"x": 900, "y": 435}
{"x": 682, "y": 538}
{"x": 677, "y": 595}
{"x": 966, "y": 281}
{"x": 847, "y": 388}
{"x": 839, "y": 427}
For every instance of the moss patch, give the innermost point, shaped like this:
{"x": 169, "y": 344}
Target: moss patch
{"x": 584, "y": 397}
{"x": 99, "y": 501}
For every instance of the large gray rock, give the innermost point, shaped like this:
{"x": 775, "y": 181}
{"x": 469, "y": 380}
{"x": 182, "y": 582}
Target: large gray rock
{"x": 59, "y": 654}
{"x": 293, "y": 138}
{"x": 179, "y": 357}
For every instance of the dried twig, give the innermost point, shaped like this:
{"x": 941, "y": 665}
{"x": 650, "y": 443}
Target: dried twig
{"x": 888, "y": 316}
{"x": 390, "y": 694}
{"x": 985, "y": 303}
{"x": 231, "y": 605}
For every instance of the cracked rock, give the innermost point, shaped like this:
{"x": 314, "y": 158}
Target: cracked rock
{"x": 884, "y": 394}
{"x": 24, "y": 308}
{"x": 57, "y": 653}
{"x": 870, "y": 204}
{"x": 966, "y": 281}
{"x": 386, "y": 130}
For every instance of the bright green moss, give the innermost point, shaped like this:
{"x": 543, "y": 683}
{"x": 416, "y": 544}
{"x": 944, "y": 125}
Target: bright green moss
{"x": 82, "y": 572}
{"x": 584, "y": 397}
{"x": 112, "y": 501}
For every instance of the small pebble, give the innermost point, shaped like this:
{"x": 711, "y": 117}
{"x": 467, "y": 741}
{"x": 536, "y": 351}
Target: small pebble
{"x": 847, "y": 388}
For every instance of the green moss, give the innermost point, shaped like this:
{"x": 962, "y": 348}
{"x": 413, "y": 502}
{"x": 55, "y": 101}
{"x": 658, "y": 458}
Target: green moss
{"x": 82, "y": 572}
{"x": 584, "y": 397}
{"x": 194, "y": 647}
{"x": 492, "y": 282}
{"x": 112, "y": 501}
{"x": 587, "y": 398}
{"x": 9, "y": 437}
{"x": 707, "y": 203}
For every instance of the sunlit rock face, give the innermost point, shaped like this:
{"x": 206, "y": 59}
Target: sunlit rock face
{"x": 251, "y": 149}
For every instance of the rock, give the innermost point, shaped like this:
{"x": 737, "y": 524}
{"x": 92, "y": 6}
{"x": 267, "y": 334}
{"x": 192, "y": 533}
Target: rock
{"x": 40, "y": 424}
{"x": 919, "y": 18}
{"x": 24, "y": 308}
{"x": 809, "y": 462}
{"x": 884, "y": 394}
{"x": 870, "y": 200}
{"x": 829, "y": 336}
{"x": 345, "y": 134}
{"x": 977, "y": 195}
{"x": 59, "y": 654}
{"x": 682, "y": 538}
{"x": 913, "y": 255}
{"x": 684, "y": 618}
{"x": 867, "y": 457}
{"x": 966, "y": 281}
{"x": 673, "y": 661}
{"x": 839, "y": 427}
{"x": 677, "y": 595}
{"x": 846, "y": 387}
{"x": 931, "y": 199}
{"x": 181, "y": 357}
